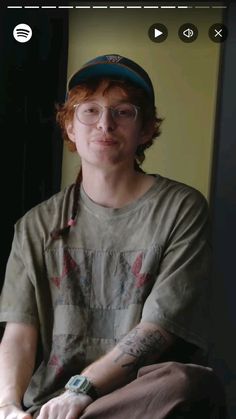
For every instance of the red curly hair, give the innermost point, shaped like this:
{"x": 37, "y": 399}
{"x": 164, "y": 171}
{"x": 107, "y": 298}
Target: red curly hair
{"x": 136, "y": 95}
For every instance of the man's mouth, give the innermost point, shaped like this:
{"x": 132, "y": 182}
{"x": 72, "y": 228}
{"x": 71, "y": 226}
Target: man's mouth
{"x": 105, "y": 141}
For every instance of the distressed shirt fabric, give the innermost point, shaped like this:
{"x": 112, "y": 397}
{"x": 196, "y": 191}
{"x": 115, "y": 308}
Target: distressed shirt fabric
{"x": 147, "y": 261}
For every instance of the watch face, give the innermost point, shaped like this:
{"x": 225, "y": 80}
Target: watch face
{"x": 77, "y": 381}
{"x": 79, "y": 384}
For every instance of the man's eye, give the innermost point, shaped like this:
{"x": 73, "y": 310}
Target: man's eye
{"x": 91, "y": 110}
{"x": 123, "y": 112}
{"x": 126, "y": 112}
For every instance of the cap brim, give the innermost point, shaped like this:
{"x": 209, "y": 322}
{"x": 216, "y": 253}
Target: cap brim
{"x": 108, "y": 70}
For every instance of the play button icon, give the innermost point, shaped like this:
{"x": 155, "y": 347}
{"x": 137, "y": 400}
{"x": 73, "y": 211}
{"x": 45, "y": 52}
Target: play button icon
{"x": 158, "y": 32}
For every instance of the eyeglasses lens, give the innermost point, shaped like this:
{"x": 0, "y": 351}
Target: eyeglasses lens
{"x": 90, "y": 113}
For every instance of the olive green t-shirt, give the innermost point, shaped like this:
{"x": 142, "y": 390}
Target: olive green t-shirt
{"x": 147, "y": 261}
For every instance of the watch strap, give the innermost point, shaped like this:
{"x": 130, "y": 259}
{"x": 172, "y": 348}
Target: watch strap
{"x": 92, "y": 392}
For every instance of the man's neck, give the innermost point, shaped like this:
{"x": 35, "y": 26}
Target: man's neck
{"x": 115, "y": 188}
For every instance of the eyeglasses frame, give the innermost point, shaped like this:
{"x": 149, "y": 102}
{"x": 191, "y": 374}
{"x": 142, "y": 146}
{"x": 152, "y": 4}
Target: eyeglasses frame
{"x": 136, "y": 107}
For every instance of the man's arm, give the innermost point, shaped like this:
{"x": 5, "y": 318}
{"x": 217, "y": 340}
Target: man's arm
{"x": 17, "y": 360}
{"x": 143, "y": 345}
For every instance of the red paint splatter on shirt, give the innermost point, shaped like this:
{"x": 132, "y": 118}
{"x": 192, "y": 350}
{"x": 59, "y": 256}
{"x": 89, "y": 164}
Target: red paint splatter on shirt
{"x": 69, "y": 265}
{"x": 141, "y": 278}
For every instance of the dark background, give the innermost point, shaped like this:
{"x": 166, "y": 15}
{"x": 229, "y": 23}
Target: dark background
{"x": 32, "y": 79}
{"x": 223, "y": 213}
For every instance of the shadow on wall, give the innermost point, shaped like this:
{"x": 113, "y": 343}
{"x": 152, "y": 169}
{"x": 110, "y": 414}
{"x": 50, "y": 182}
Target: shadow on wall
{"x": 223, "y": 207}
{"x": 223, "y": 349}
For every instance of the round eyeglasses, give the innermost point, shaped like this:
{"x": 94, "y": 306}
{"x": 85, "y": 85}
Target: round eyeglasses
{"x": 90, "y": 112}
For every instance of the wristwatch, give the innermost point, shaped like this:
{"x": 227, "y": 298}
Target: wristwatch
{"x": 81, "y": 384}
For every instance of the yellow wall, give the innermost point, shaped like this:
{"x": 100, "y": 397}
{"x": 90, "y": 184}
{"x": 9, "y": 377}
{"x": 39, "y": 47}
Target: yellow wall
{"x": 185, "y": 78}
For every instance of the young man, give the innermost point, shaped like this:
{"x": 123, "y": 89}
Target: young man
{"x": 106, "y": 289}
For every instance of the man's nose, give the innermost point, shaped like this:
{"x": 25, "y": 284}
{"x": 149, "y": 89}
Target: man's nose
{"x": 106, "y": 122}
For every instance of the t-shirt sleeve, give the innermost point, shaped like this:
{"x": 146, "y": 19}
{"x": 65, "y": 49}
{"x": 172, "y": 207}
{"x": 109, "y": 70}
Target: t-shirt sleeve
{"x": 180, "y": 296}
{"x": 17, "y": 300}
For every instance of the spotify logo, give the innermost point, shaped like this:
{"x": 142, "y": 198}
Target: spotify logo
{"x": 22, "y": 33}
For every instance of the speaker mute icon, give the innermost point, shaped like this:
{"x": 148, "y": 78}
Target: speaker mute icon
{"x": 188, "y": 32}
{"x": 22, "y": 33}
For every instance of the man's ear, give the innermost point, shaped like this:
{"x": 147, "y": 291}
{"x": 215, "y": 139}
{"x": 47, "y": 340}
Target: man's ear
{"x": 147, "y": 132}
{"x": 70, "y": 131}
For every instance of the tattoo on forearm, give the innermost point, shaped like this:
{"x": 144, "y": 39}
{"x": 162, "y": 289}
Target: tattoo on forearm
{"x": 141, "y": 346}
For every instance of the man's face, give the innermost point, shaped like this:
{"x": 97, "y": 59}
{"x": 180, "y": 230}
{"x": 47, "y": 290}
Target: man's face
{"x": 107, "y": 142}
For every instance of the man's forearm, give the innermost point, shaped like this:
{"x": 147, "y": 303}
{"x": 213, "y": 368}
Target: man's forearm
{"x": 143, "y": 345}
{"x": 17, "y": 358}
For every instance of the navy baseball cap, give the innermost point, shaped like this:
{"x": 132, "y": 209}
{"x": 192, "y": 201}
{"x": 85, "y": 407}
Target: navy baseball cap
{"x": 113, "y": 65}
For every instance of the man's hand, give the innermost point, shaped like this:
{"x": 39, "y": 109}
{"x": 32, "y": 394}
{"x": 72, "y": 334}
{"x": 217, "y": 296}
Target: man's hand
{"x": 68, "y": 405}
{"x": 11, "y": 411}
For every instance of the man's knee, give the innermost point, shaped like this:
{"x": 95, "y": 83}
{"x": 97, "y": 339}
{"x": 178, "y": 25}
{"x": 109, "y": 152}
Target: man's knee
{"x": 196, "y": 381}
{"x": 186, "y": 381}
